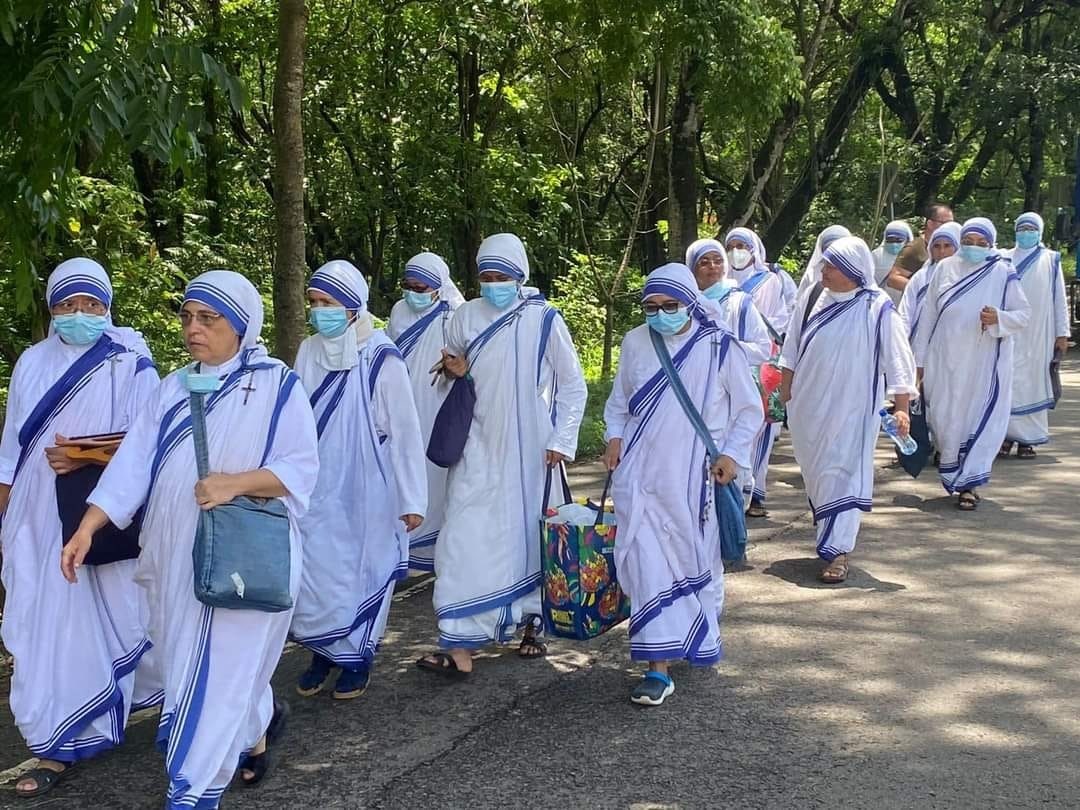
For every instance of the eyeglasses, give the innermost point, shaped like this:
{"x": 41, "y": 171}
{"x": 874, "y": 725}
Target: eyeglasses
{"x": 669, "y": 307}
{"x": 203, "y": 317}
{"x": 1028, "y": 228}
{"x": 71, "y": 306}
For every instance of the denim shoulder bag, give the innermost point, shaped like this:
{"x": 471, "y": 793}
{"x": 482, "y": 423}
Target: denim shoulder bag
{"x": 241, "y": 555}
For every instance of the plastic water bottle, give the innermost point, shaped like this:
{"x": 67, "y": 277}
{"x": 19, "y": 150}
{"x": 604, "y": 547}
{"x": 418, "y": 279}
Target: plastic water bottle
{"x": 906, "y": 444}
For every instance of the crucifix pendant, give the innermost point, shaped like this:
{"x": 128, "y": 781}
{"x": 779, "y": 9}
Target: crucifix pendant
{"x": 247, "y": 389}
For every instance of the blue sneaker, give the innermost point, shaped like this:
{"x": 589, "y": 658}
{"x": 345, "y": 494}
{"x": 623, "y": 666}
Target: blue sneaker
{"x": 654, "y": 689}
{"x": 351, "y": 684}
{"x": 314, "y": 677}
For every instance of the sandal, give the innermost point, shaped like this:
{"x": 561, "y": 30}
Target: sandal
{"x": 442, "y": 664}
{"x": 836, "y": 571}
{"x": 532, "y": 647}
{"x": 653, "y": 689}
{"x": 967, "y": 501}
{"x": 260, "y": 764}
{"x": 1025, "y": 451}
{"x": 45, "y": 779}
{"x": 1006, "y": 448}
{"x": 351, "y": 684}
{"x": 756, "y": 510}
{"x": 315, "y": 676}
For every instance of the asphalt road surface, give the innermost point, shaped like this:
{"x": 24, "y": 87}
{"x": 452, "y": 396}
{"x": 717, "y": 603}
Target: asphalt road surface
{"x": 945, "y": 673}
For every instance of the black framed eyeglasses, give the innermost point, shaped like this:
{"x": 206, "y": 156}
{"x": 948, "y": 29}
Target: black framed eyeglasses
{"x": 669, "y": 307}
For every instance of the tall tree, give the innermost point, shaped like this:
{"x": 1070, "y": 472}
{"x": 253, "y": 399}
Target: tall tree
{"x": 290, "y": 267}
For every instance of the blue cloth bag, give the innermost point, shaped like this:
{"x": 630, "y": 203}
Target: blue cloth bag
{"x": 241, "y": 556}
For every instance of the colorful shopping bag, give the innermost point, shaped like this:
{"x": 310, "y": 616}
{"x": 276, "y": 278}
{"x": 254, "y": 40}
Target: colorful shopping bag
{"x": 581, "y": 594}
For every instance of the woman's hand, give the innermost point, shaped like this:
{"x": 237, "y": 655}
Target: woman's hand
{"x": 724, "y": 470}
{"x": 454, "y": 366}
{"x": 215, "y": 490}
{"x": 59, "y": 460}
{"x": 1061, "y": 345}
{"x": 613, "y": 454}
{"x": 411, "y": 521}
{"x": 903, "y": 423}
{"x": 988, "y": 316}
{"x": 74, "y": 553}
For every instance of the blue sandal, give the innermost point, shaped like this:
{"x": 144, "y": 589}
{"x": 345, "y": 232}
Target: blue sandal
{"x": 654, "y": 689}
{"x": 351, "y": 684}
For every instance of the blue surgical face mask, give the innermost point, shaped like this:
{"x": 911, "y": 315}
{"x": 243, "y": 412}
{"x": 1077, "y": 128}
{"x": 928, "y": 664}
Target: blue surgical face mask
{"x": 668, "y": 323}
{"x": 197, "y": 383}
{"x": 419, "y": 301}
{"x": 974, "y": 254}
{"x": 1027, "y": 239}
{"x": 893, "y": 248}
{"x": 80, "y": 328}
{"x": 716, "y": 291}
{"x": 500, "y": 294}
{"x": 330, "y": 322}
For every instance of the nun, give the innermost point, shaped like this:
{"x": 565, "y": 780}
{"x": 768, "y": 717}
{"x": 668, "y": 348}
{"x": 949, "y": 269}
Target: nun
{"x": 667, "y": 554}
{"x": 943, "y": 244}
{"x": 841, "y": 349}
{"x": 897, "y": 234}
{"x": 215, "y": 663}
{"x": 964, "y": 350}
{"x": 749, "y": 269}
{"x": 418, "y": 325}
{"x": 371, "y": 489}
{"x": 1047, "y": 335}
{"x": 530, "y": 398}
{"x": 70, "y": 691}
{"x": 812, "y": 273}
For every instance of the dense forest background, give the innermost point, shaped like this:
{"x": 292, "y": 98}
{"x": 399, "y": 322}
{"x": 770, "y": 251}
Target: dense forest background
{"x": 165, "y": 137}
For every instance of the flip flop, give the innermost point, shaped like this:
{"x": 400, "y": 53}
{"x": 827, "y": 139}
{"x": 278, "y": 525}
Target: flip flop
{"x": 442, "y": 664}
{"x": 261, "y": 764}
{"x": 45, "y": 779}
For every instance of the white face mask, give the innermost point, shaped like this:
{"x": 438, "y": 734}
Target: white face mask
{"x": 740, "y": 258}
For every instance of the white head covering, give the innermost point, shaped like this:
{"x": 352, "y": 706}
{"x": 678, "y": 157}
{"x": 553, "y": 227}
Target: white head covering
{"x": 343, "y": 282}
{"x": 852, "y": 257}
{"x": 503, "y": 253}
{"x": 1028, "y": 218}
{"x": 947, "y": 232}
{"x": 757, "y": 247}
{"x": 897, "y": 229}
{"x": 825, "y": 238}
{"x": 430, "y": 269}
{"x": 676, "y": 280}
{"x": 981, "y": 226}
{"x": 79, "y": 276}
{"x": 700, "y": 248}
{"x": 235, "y": 298}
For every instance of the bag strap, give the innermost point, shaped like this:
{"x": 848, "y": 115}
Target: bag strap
{"x": 811, "y": 299}
{"x": 677, "y": 387}
{"x": 603, "y": 499}
{"x": 565, "y": 487}
{"x": 198, "y": 433}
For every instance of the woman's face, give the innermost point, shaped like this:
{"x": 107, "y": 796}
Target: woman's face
{"x": 709, "y": 269}
{"x": 975, "y": 239}
{"x": 833, "y": 279}
{"x": 941, "y": 249}
{"x": 208, "y": 335}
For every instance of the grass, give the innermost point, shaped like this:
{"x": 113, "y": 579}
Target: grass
{"x": 591, "y": 437}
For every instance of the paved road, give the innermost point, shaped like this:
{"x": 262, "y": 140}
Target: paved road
{"x": 946, "y": 673}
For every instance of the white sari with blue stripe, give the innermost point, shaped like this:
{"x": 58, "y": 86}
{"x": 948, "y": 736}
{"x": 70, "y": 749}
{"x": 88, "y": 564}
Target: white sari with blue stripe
{"x": 851, "y": 343}
{"x": 968, "y": 370}
{"x": 75, "y": 646}
{"x": 214, "y": 664}
{"x": 667, "y": 553}
{"x": 530, "y": 398}
{"x": 371, "y": 472}
{"x": 421, "y": 337}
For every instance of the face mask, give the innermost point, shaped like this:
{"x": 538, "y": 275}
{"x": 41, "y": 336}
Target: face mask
{"x": 419, "y": 301}
{"x": 197, "y": 383}
{"x": 974, "y": 254}
{"x": 739, "y": 258}
{"x": 329, "y": 322}
{"x": 893, "y": 248}
{"x": 717, "y": 291}
{"x": 668, "y": 324}
{"x": 1027, "y": 239}
{"x": 500, "y": 294}
{"x": 80, "y": 328}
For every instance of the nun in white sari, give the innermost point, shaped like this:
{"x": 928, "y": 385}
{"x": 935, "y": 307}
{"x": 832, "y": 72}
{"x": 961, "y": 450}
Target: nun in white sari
{"x": 964, "y": 347}
{"x": 215, "y": 664}
{"x": 530, "y": 397}
{"x": 897, "y": 234}
{"x": 70, "y": 691}
{"x": 1043, "y": 283}
{"x": 668, "y": 554}
{"x": 812, "y": 273}
{"x": 371, "y": 488}
{"x": 943, "y": 244}
{"x": 747, "y": 256}
{"x": 418, "y": 325}
{"x": 708, "y": 261}
{"x": 835, "y": 372}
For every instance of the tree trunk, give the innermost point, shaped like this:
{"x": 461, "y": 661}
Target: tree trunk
{"x": 1033, "y": 177}
{"x": 970, "y": 181}
{"x": 867, "y": 69}
{"x": 151, "y": 179}
{"x": 682, "y": 169}
{"x": 290, "y": 268}
{"x": 213, "y": 142}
